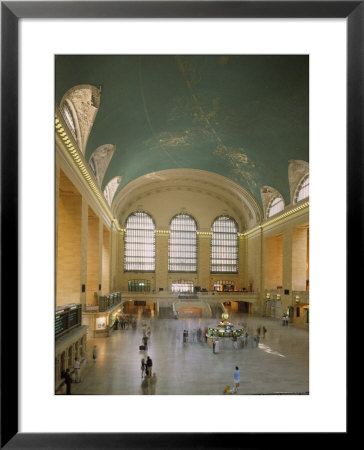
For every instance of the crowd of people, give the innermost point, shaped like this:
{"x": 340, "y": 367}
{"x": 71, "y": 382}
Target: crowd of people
{"x": 123, "y": 322}
{"x": 149, "y": 379}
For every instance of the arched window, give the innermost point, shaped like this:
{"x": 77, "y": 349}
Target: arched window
{"x": 139, "y": 243}
{"x": 182, "y": 249}
{"x": 69, "y": 119}
{"x": 275, "y": 206}
{"x": 224, "y": 245}
{"x": 302, "y": 191}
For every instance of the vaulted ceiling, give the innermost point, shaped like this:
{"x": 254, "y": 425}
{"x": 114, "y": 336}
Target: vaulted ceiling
{"x": 242, "y": 117}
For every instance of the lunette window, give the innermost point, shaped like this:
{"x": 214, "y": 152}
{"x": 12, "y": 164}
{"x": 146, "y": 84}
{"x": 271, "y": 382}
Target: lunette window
{"x": 303, "y": 189}
{"x": 69, "y": 119}
{"x": 276, "y": 206}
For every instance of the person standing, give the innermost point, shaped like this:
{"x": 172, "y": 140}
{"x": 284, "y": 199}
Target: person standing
{"x": 77, "y": 367}
{"x": 217, "y": 345}
{"x": 264, "y": 331}
{"x": 142, "y": 366}
{"x": 213, "y": 345}
{"x": 149, "y": 364}
{"x": 68, "y": 381}
{"x": 236, "y": 379}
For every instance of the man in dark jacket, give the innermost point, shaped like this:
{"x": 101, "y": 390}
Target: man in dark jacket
{"x": 149, "y": 365}
{"x": 68, "y": 381}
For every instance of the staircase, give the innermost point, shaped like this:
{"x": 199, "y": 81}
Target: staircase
{"x": 165, "y": 312}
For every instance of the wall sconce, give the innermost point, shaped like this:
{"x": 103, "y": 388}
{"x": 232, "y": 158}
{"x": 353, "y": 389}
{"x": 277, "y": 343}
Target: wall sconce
{"x": 267, "y": 296}
{"x": 297, "y": 298}
{"x": 278, "y": 296}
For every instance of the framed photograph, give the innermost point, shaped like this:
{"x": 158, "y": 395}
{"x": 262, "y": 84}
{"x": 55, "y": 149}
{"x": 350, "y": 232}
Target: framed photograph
{"x": 232, "y": 110}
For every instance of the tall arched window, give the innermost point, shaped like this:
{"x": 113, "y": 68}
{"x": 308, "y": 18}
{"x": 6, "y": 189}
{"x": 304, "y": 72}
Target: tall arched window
{"x": 224, "y": 245}
{"x": 275, "y": 206}
{"x": 182, "y": 249}
{"x": 303, "y": 189}
{"x": 139, "y": 243}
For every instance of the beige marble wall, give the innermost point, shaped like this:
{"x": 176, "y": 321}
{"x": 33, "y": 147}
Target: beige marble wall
{"x": 299, "y": 258}
{"x": 273, "y": 273}
{"x": 105, "y": 262}
{"x": 68, "y": 242}
{"x": 93, "y": 257}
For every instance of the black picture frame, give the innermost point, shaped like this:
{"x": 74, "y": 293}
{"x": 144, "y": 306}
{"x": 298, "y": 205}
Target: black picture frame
{"x": 11, "y": 13}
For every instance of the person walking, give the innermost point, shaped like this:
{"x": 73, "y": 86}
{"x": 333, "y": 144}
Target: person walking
{"x": 264, "y": 331}
{"x": 235, "y": 343}
{"x": 236, "y": 379}
{"x": 213, "y": 346}
{"x": 199, "y": 334}
{"x": 217, "y": 345}
{"x": 145, "y": 341}
{"x": 142, "y": 366}
{"x": 77, "y": 367}
{"x": 149, "y": 364}
{"x": 68, "y": 381}
{"x": 94, "y": 353}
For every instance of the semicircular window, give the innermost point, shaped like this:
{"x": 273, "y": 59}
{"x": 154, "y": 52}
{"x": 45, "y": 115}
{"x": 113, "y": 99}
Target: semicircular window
{"x": 275, "y": 206}
{"x": 139, "y": 242}
{"x": 182, "y": 248}
{"x": 69, "y": 119}
{"x": 224, "y": 245}
{"x": 303, "y": 189}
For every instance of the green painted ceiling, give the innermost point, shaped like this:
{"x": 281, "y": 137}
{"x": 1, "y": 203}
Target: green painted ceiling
{"x": 243, "y": 117}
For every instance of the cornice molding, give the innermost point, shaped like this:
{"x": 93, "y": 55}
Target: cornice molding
{"x": 72, "y": 153}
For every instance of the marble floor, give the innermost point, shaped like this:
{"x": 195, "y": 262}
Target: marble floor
{"x": 279, "y": 365}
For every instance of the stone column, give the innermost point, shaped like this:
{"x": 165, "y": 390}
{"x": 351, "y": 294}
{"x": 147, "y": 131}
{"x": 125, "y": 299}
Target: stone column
{"x": 161, "y": 260}
{"x": 84, "y": 231}
{"x": 287, "y": 268}
{"x": 203, "y": 258}
{"x": 242, "y": 261}
{"x": 118, "y": 248}
{"x": 299, "y": 258}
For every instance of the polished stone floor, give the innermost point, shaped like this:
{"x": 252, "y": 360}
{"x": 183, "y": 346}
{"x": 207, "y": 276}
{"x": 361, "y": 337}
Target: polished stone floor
{"x": 278, "y": 365}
